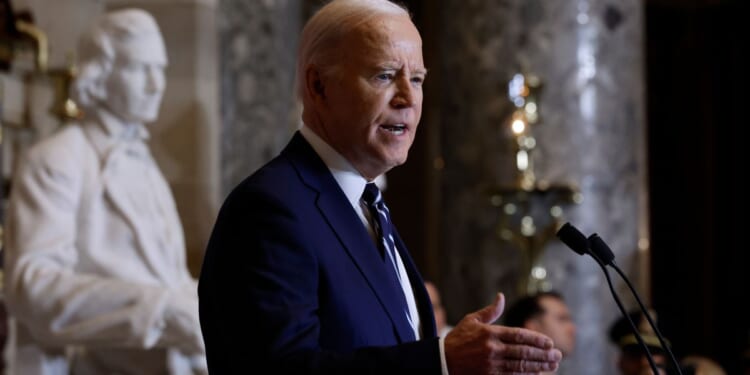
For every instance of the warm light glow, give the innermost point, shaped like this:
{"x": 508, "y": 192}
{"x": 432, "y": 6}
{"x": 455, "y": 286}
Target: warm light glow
{"x": 533, "y": 117}
{"x": 530, "y": 107}
{"x": 527, "y": 226}
{"x": 518, "y": 126}
{"x": 643, "y": 244}
{"x": 529, "y": 142}
{"x": 522, "y": 160}
{"x": 539, "y": 272}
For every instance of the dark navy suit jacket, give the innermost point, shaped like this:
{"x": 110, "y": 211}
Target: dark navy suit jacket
{"x": 292, "y": 281}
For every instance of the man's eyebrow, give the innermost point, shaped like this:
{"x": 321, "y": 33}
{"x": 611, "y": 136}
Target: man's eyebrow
{"x": 387, "y": 66}
{"x": 398, "y": 66}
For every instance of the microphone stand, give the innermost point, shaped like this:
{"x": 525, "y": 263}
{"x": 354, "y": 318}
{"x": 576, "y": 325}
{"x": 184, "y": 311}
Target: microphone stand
{"x": 638, "y": 337}
{"x": 602, "y": 254}
{"x": 597, "y": 245}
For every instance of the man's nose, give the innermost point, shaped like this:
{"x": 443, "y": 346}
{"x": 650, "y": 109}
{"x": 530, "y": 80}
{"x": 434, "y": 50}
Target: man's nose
{"x": 404, "y": 96}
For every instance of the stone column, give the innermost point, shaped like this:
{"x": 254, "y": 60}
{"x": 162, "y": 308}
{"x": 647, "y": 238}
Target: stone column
{"x": 258, "y": 49}
{"x": 589, "y": 54}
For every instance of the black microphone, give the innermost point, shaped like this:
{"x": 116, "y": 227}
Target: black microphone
{"x": 573, "y": 238}
{"x": 577, "y": 241}
{"x": 599, "y": 247}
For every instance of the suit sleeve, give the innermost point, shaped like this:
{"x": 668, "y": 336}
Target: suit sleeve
{"x": 59, "y": 305}
{"x": 258, "y": 297}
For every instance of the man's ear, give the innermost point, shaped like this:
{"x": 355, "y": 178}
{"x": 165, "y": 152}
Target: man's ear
{"x": 314, "y": 84}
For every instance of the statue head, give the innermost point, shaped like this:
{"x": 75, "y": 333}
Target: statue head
{"x": 121, "y": 66}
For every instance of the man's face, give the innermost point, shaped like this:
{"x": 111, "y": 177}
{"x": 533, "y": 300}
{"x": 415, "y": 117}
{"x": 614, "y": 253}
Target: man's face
{"x": 136, "y": 82}
{"x": 371, "y": 104}
{"x": 557, "y": 323}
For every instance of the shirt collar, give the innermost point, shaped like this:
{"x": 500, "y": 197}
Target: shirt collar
{"x": 348, "y": 178}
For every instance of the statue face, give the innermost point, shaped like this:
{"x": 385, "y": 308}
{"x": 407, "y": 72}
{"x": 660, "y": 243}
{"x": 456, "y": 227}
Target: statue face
{"x": 135, "y": 85}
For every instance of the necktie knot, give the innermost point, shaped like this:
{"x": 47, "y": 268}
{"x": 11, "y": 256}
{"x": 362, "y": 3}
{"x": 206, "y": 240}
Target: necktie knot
{"x": 380, "y": 217}
{"x": 372, "y": 195}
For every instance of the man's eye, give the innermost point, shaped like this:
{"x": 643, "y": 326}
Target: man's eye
{"x": 384, "y": 77}
{"x": 417, "y": 80}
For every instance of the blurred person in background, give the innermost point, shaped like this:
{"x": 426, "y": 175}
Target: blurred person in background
{"x": 547, "y": 313}
{"x": 632, "y": 359}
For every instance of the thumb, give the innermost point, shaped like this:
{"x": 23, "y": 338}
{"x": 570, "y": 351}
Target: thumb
{"x": 491, "y": 313}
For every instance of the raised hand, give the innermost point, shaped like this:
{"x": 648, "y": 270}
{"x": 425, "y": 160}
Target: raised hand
{"x": 476, "y": 346}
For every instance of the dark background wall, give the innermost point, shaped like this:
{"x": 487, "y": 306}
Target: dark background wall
{"x": 697, "y": 79}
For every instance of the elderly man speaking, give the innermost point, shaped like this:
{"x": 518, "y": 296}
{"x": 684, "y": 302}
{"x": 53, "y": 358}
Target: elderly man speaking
{"x": 305, "y": 272}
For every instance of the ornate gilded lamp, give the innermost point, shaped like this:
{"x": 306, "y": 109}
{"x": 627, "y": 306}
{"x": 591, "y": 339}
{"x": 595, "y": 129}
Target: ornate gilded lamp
{"x": 530, "y": 210}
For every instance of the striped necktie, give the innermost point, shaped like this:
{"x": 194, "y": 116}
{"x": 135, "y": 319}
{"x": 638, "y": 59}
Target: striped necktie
{"x": 381, "y": 219}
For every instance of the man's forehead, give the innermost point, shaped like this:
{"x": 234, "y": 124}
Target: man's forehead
{"x": 384, "y": 45}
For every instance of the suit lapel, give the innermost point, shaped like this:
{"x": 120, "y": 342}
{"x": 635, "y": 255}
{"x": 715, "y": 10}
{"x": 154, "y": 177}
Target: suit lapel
{"x": 345, "y": 223}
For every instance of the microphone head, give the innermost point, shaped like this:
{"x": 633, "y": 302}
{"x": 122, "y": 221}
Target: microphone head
{"x": 600, "y": 249}
{"x": 573, "y": 238}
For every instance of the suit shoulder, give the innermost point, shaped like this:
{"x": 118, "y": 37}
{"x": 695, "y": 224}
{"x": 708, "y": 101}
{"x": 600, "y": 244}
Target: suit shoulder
{"x": 275, "y": 178}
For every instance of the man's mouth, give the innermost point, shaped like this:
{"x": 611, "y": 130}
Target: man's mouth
{"x": 396, "y": 129}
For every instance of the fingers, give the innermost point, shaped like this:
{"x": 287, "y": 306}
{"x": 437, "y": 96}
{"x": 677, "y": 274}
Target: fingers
{"x": 513, "y": 335}
{"x": 491, "y": 313}
{"x": 524, "y": 367}
{"x": 476, "y": 345}
{"x": 523, "y": 352}
{"x": 525, "y": 359}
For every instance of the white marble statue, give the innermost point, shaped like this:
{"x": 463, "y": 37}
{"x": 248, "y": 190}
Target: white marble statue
{"x": 96, "y": 275}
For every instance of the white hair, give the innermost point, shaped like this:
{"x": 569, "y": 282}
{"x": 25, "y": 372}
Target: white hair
{"x": 111, "y": 35}
{"x": 320, "y": 36}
